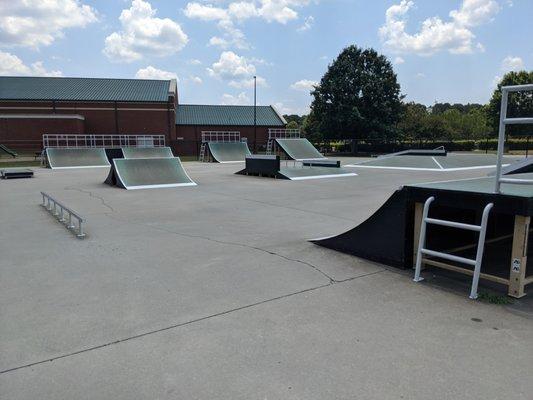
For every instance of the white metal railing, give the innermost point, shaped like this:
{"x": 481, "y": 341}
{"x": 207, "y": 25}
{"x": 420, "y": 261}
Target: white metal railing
{"x": 476, "y": 263}
{"x": 221, "y": 136}
{"x": 283, "y": 133}
{"x": 58, "y": 210}
{"x": 102, "y": 141}
{"x": 501, "y": 135}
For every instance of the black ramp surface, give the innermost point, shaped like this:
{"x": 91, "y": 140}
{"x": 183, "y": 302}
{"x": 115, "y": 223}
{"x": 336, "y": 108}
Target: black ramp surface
{"x": 381, "y": 238}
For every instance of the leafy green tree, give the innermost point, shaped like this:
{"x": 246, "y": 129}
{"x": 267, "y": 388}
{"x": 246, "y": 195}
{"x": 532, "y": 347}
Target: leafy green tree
{"x": 358, "y": 97}
{"x": 519, "y": 104}
{"x": 411, "y": 125}
{"x": 293, "y": 117}
{"x": 292, "y": 125}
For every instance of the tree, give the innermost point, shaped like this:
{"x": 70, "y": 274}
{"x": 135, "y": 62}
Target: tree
{"x": 358, "y": 97}
{"x": 292, "y": 125}
{"x": 519, "y": 104}
{"x": 411, "y": 125}
{"x": 293, "y": 117}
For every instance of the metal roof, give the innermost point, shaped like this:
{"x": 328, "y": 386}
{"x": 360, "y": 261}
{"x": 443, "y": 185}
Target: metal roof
{"x": 190, "y": 114}
{"x": 83, "y": 89}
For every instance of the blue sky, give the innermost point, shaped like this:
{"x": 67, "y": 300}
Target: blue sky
{"x": 452, "y": 50}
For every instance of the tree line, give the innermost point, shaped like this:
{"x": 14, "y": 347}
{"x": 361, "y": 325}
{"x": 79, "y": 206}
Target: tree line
{"x": 359, "y": 97}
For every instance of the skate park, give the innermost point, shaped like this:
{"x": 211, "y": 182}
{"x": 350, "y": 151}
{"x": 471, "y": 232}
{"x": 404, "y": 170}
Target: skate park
{"x": 172, "y": 270}
{"x": 266, "y": 199}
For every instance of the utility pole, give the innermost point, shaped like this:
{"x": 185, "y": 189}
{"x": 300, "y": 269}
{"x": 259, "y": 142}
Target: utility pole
{"x": 255, "y": 113}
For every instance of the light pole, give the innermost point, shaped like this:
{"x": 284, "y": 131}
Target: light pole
{"x": 255, "y": 113}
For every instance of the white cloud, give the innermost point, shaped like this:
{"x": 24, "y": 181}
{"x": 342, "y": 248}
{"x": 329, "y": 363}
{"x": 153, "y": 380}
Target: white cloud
{"x": 308, "y": 24}
{"x": 236, "y": 70}
{"x": 154, "y": 73}
{"x": 283, "y": 109}
{"x": 509, "y": 64}
{"x": 398, "y": 60}
{"x": 239, "y": 100}
{"x": 11, "y": 65}
{"x": 281, "y": 11}
{"x": 248, "y": 83}
{"x": 512, "y": 64}
{"x": 231, "y": 66}
{"x": 420, "y": 75}
{"x": 196, "y": 79}
{"x": 436, "y": 35}
{"x": 232, "y": 36}
{"x": 205, "y": 12}
{"x": 36, "y": 23}
{"x": 194, "y": 62}
{"x": 304, "y": 85}
{"x": 143, "y": 34}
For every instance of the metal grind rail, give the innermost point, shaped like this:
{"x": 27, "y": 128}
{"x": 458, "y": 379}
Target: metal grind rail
{"x": 64, "y": 215}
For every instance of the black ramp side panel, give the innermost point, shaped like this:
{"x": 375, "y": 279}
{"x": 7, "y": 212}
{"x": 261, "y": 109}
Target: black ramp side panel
{"x": 383, "y": 238}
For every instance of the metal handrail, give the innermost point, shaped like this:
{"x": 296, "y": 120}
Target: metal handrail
{"x": 101, "y": 141}
{"x": 282, "y": 133}
{"x": 52, "y": 205}
{"x": 476, "y": 263}
{"x": 501, "y": 135}
{"x": 221, "y": 136}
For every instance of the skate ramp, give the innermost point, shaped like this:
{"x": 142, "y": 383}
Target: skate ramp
{"x": 148, "y": 173}
{"x": 299, "y": 149}
{"x": 59, "y": 158}
{"x": 231, "y": 152}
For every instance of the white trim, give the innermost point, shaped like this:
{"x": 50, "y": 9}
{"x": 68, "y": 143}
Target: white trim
{"x": 86, "y": 108}
{"x": 42, "y": 116}
{"x": 166, "y": 185}
{"x": 436, "y": 162}
{"x": 231, "y": 162}
{"x": 310, "y": 159}
{"x": 424, "y": 169}
{"x": 83, "y": 166}
{"x": 303, "y": 178}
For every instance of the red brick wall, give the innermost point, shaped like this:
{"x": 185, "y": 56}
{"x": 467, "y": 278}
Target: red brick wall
{"x": 100, "y": 118}
{"x": 189, "y": 137}
{"x": 26, "y": 133}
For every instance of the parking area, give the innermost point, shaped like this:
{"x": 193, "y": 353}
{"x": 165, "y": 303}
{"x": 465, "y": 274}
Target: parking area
{"x": 213, "y": 291}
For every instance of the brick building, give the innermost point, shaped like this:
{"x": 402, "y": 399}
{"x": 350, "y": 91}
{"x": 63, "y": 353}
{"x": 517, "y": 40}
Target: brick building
{"x": 33, "y": 106}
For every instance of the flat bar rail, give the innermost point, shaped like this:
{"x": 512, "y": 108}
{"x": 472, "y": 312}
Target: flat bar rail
{"x": 504, "y": 121}
{"x": 73, "y": 141}
{"x": 64, "y": 215}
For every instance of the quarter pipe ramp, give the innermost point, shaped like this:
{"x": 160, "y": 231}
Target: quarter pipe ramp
{"x": 229, "y": 152}
{"x": 148, "y": 173}
{"x": 299, "y": 149}
{"x": 61, "y": 158}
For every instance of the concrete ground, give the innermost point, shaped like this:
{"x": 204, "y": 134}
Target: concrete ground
{"x": 213, "y": 292}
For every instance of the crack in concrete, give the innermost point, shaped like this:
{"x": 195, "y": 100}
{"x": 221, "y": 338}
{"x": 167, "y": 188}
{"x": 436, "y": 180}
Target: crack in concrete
{"x": 224, "y": 242}
{"x": 91, "y": 194}
{"x": 179, "y": 325}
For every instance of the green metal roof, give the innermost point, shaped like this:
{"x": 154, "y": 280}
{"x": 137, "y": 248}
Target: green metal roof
{"x": 188, "y": 114}
{"x": 83, "y": 89}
